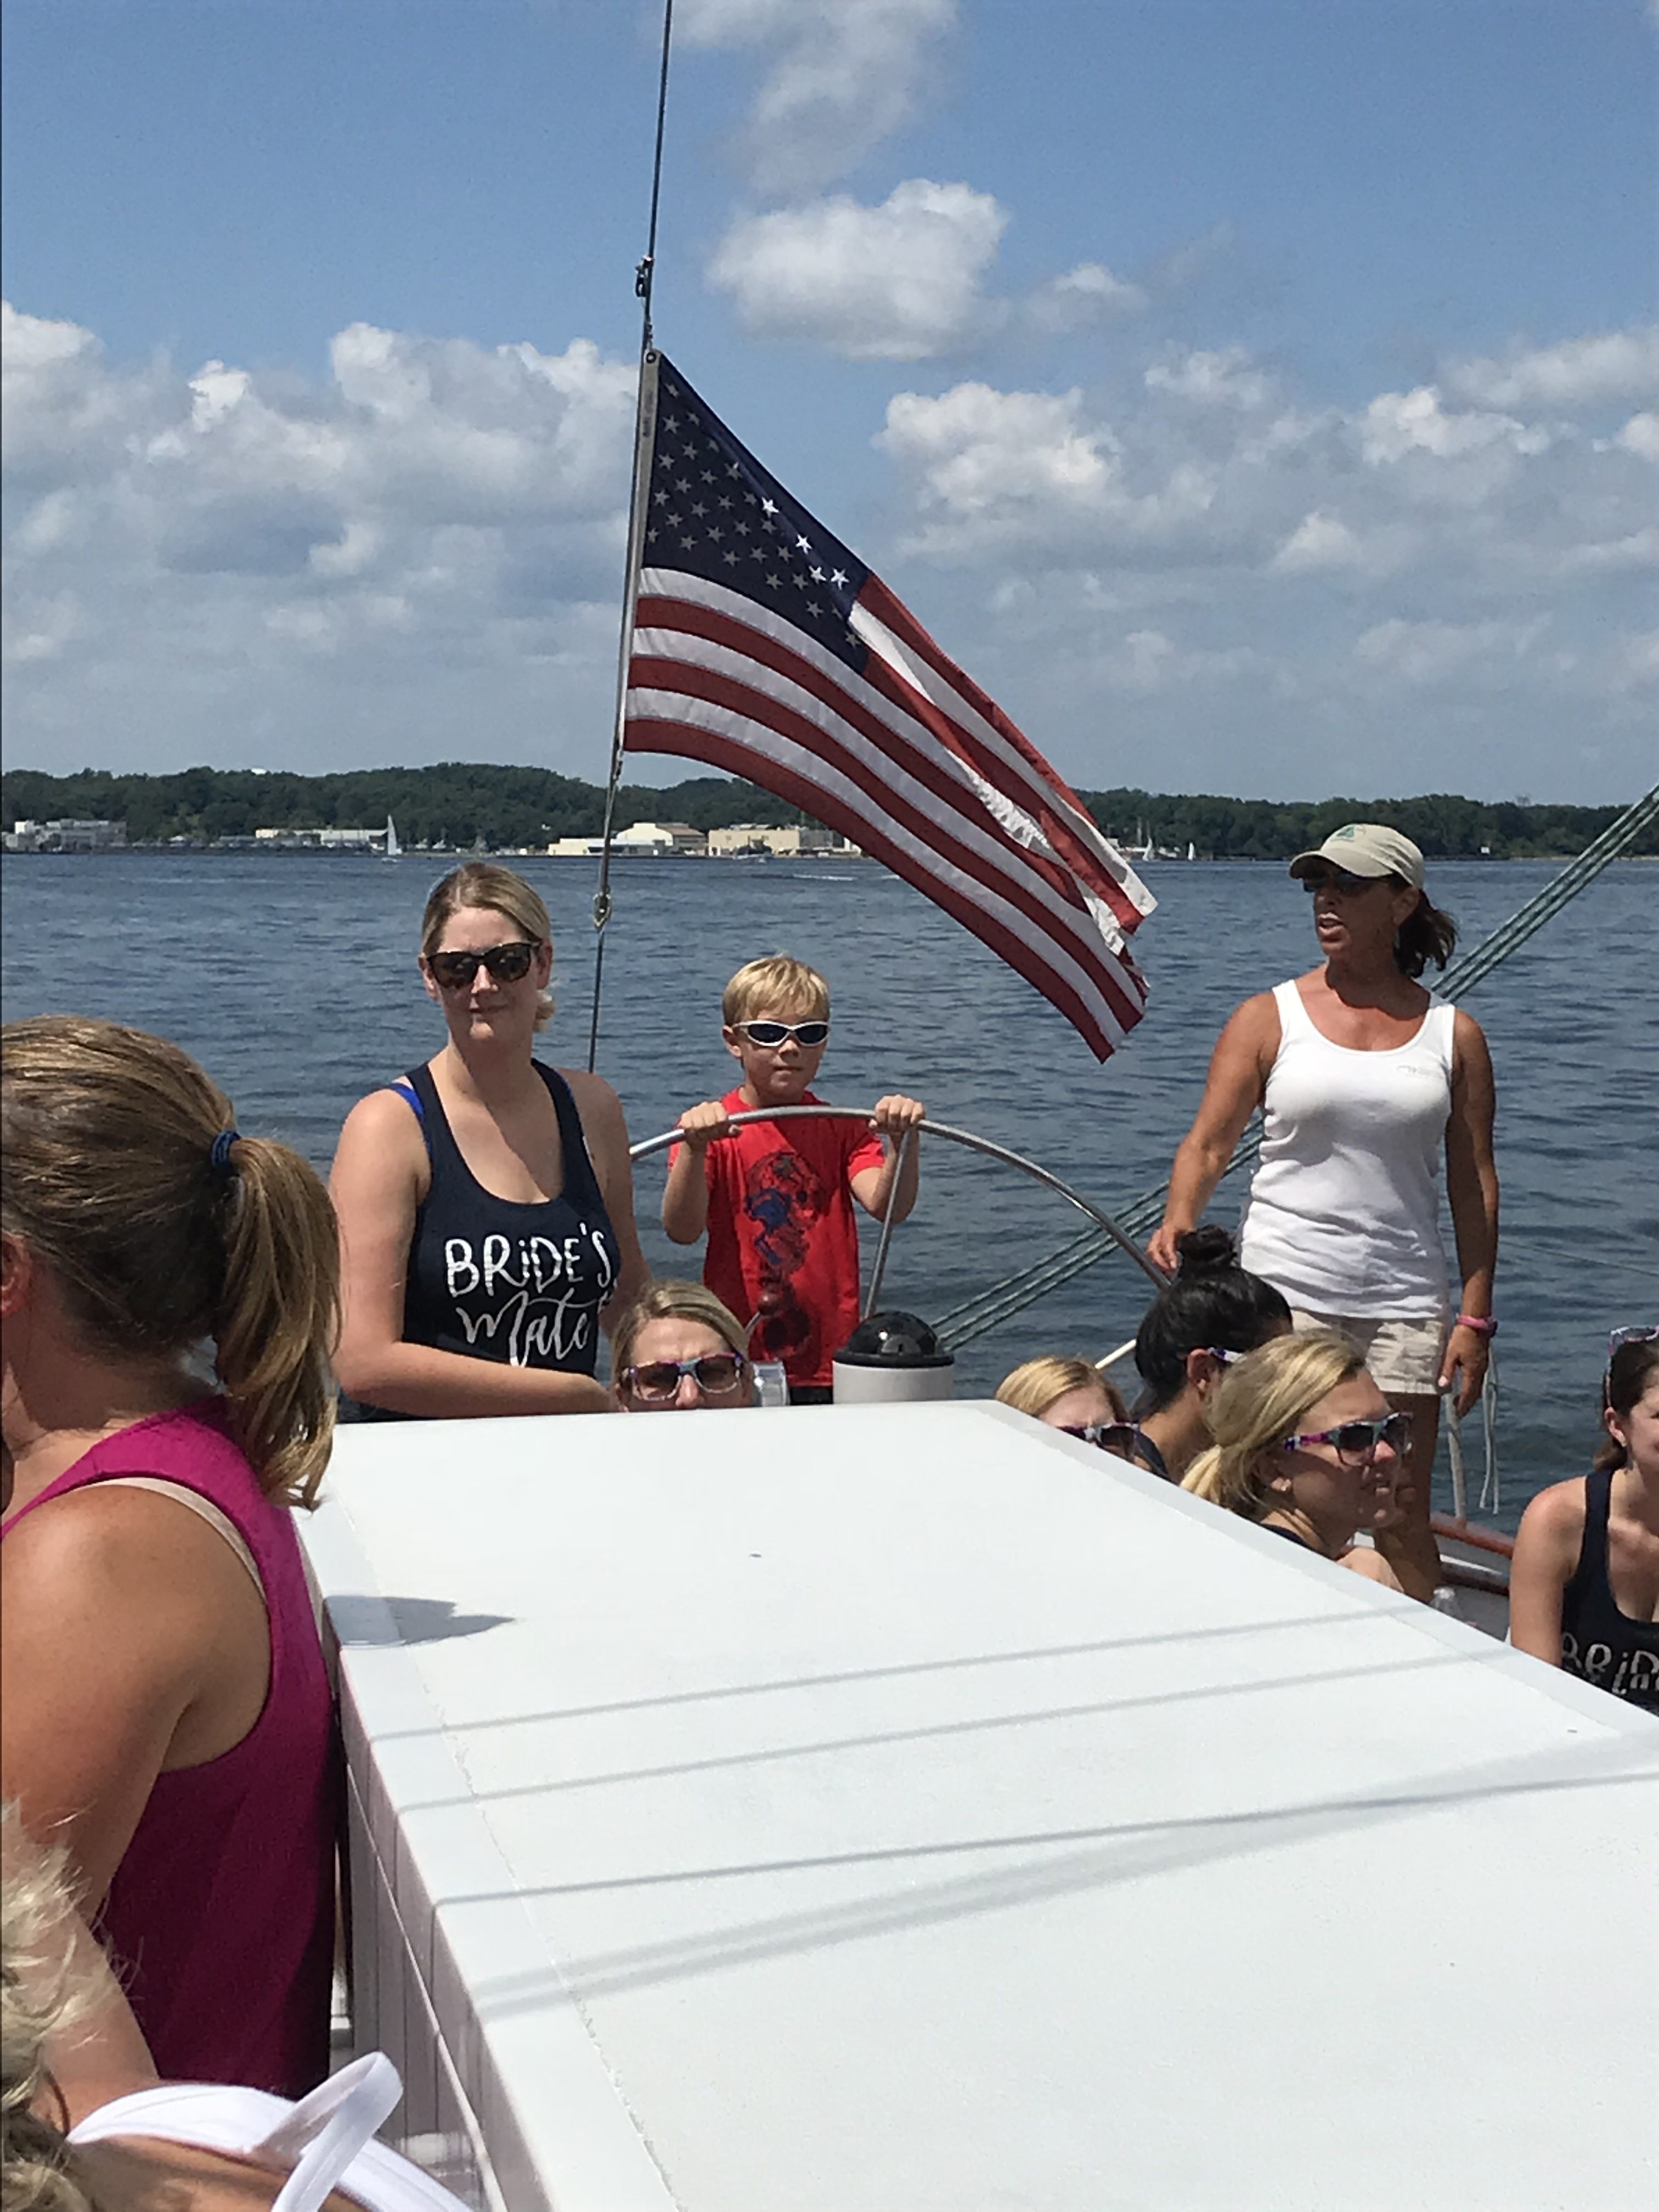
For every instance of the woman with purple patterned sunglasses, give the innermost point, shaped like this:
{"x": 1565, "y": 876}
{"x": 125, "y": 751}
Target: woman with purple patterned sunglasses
{"x": 1306, "y": 1447}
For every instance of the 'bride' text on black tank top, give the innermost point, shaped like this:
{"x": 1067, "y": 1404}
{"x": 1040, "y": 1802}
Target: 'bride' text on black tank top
{"x": 493, "y": 1278}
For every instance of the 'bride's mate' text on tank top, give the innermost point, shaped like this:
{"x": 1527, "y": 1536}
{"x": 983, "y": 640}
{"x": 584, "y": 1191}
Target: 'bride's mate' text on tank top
{"x": 498, "y": 1279}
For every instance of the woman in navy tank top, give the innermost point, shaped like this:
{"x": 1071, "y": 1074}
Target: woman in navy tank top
{"x": 1584, "y": 1585}
{"x": 486, "y": 1201}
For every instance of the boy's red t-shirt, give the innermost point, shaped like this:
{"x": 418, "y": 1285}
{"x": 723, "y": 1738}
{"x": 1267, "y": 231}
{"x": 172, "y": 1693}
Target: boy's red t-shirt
{"x": 782, "y": 1240}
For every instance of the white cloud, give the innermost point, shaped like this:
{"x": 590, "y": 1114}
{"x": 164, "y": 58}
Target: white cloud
{"x": 1399, "y": 423}
{"x": 840, "y": 76}
{"x": 417, "y": 556}
{"x": 1088, "y": 294}
{"x": 1202, "y": 529}
{"x": 1421, "y": 652}
{"x": 382, "y": 560}
{"x": 61, "y": 411}
{"x": 894, "y": 283}
{"x": 1639, "y": 548}
{"x": 1585, "y": 371}
{"x": 982, "y": 462}
{"x": 1150, "y": 660}
{"x": 1228, "y": 379}
{"x": 1320, "y": 541}
{"x": 40, "y": 628}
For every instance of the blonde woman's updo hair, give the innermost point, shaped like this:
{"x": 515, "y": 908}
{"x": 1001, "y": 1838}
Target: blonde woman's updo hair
{"x": 1262, "y": 1401}
{"x": 1036, "y": 1384}
{"x": 667, "y": 1300}
{"x": 500, "y": 890}
{"x": 163, "y": 1227}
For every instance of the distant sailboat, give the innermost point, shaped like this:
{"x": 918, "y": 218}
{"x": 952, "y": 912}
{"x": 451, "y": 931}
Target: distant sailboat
{"x": 394, "y": 849}
{"x": 1192, "y": 852}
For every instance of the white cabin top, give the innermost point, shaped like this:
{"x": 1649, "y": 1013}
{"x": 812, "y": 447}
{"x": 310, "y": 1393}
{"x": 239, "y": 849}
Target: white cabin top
{"x": 914, "y": 1809}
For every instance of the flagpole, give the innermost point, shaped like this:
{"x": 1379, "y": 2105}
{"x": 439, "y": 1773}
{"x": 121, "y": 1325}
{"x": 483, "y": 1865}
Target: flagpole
{"x": 645, "y": 432}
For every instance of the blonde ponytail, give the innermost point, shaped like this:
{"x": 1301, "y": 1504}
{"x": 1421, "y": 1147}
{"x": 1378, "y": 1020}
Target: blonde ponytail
{"x": 279, "y": 1316}
{"x": 161, "y": 1227}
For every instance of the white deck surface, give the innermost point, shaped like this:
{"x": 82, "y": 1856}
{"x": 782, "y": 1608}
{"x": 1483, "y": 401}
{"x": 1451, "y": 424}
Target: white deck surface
{"x": 916, "y": 1810}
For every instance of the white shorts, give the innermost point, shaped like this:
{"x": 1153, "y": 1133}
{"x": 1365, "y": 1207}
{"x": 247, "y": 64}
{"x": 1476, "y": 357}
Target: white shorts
{"x": 1401, "y": 1357}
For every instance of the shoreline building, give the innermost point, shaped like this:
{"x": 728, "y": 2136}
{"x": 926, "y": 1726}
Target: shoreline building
{"x": 66, "y": 835}
{"x": 651, "y": 841}
{"x": 325, "y": 840}
{"x": 791, "y": 842}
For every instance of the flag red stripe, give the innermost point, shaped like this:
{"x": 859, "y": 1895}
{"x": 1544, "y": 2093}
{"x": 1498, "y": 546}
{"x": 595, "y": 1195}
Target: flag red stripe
{"x": 1073, "y": 929}
{"x": 915, "y": 757}
{"x": 1040, "y": 781}
{"x": 694, "y": 743}
{"x": 1077, "y": 952}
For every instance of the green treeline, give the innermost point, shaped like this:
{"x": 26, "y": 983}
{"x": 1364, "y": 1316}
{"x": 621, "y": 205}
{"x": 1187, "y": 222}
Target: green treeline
{"x": 456, "y": 803}
{"x": 459, "y": 803}
{"x": 1447, "y": 828}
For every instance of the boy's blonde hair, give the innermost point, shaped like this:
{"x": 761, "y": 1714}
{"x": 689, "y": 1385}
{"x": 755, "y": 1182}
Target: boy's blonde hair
{"x": 778, "y": 983}
{"x": 1262, "y": 1401}
{"x": 1034, "y": 1386}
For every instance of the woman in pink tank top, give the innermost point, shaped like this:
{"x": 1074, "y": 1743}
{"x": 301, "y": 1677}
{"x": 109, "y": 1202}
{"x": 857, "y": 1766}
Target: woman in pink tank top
{"x": 167, "y": 1712}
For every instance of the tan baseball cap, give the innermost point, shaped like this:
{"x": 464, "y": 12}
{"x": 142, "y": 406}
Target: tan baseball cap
{"x": 1366, "y": 849}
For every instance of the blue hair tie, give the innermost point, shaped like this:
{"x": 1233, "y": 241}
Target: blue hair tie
{"x": 219, "y": 1155}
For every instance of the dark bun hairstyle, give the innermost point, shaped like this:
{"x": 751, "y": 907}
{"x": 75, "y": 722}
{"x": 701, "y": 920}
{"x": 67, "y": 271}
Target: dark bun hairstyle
{"x": 1625, "y": 1385}
{"x": 1211, "y": 1301}
{"x": 1426, "y": 934}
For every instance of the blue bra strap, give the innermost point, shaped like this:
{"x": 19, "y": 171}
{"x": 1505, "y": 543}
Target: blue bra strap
{"x": 406, "y": 1090}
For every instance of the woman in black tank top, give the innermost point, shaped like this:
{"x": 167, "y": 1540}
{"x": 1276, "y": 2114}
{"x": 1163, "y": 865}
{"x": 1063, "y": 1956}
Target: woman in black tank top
{"x": 1584, "y": 1582}
{"x": 485, "y": 1200}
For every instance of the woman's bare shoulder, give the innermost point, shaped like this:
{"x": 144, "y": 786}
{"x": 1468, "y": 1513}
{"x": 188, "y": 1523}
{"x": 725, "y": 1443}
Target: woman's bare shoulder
{"x": 1364, "y": 1559}
{"x": 1253, "y": 1025}
{"x": 382, "y": 1132}
{"x": 591, "y": 1093}
{"x": 1469, "y": 1039}
{"x": 1550, "y": 1536}
{"x": 1559, "y": 1510}
{"x": 110, "y": 1572}
{"x": 142, "y": 2174}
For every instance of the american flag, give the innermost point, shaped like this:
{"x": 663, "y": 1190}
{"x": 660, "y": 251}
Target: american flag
{"x": 762, "y": 646}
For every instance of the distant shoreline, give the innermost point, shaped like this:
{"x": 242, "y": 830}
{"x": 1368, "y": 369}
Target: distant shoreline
{"x": 460, "y": 807}
{"x": 455, "y": 852}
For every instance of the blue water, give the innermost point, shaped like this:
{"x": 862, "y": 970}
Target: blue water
{"x": 292, "y": 979}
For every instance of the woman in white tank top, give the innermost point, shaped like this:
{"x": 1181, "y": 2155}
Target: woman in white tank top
{"x": 1364, "y": 1080}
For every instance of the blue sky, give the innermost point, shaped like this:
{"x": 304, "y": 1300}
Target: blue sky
{"x": 1256, "y": 395}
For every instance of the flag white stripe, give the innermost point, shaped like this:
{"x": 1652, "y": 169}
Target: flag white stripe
{"x": 679, "y": 583}
{"x": 766, "y": 746}
{"x": 698, "y": 591}
{"x": 908, "y": 665}
{"x": 669, "y": 706}
{"x": 1080, "y": 924}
